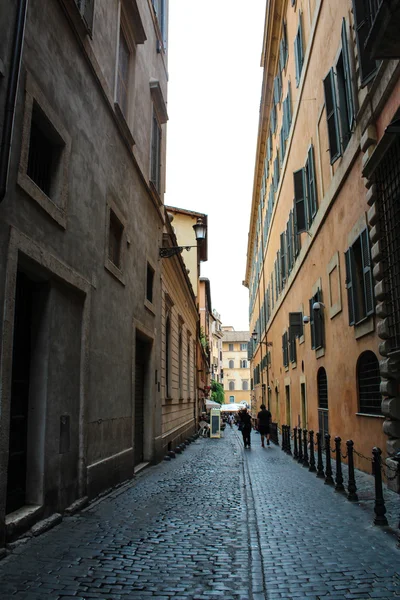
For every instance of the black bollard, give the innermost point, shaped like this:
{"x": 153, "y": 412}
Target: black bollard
{"x": 351, "y": 487}
{"x": 320, "y": 464}
{"x": 295, "y": 453}
{"x": 289, "y": 446}
{"x": 312, "y": 467}
{"x": 339, "y": 487}
{"x": 379, "y": 508}
{"x": 283, "y": 438}
{"x": 305, "y": 452}
{"x": 328, "y": 467}
{"x": 299, "y": 433}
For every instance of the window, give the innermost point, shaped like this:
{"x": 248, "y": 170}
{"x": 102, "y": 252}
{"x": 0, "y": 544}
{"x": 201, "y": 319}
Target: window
{"x": 298, "y": 50}
{"x": 230, "y": 347}
{"x": 282, "y": 143}
{"x": 317, "y": 323}
{"x": 283, "y": 48}
{"x": 168, "y": 357}
{"x": 149, "y": 283}
{"x": 115, "y": 239}
{"x": 295, "y": 325}
{"x": 245, "y": 385}
{"x": 45, "y": 149}
{"x": 299, "y": 200}
{"x": 161, "y": 14}
{"x": 277, "y": 88}
{"x": 305, "y": 194}
{"x": 360, "y": 292}
{"x": 287, "y": 113}
{"x": 283, "y": 257}
{"x": 231, "y": 386}
{"x": 332, "y": 116}
{"x": 124, "y": 58}
{"x": 285, "y": 352}
{"x": 362, "y": 22}
{"x": 368, "y": 384}
{"x": 276, "y": 171}
{"x": 155, "y": 153}
{"x": 311, "y": 187}
{"x": 243, "y": 347}
{"x": 180, "y": 364}
{"x": 289, "y": 243}
{"x": 231, "y": 364}
{"x": 231, "y": 398}
{"x": 273, "y": 118}
{"x": 323, "y": 414}
{"x": 86, "y": 9}
{"x": 243, "y": 364}
{"x": 188, "y": 368}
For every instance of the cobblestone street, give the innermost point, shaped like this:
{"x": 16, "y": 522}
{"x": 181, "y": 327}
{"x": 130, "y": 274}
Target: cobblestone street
{"x": 216, "y": 522}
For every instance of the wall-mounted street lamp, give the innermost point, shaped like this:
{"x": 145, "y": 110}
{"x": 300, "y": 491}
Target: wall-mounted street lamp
{"x": 316, "y": 307}
{"x": 254, "y": 335}
{"x": 200, "y": 232}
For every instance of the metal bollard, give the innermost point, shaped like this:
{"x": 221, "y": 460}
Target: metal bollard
{"x": 295, "y": 453}
{"x": 339, "y": 487}
{"x": 320, "y": 464}
{"x": 312, "y": 467}
{"x": 351, "y": 486}
{"x": 379, "y": 508}
{"x": 299, "y": 433}
{"x": 328, "y": 468}
{"x": 305, "y": 452}
{"x": 283, "y": 438}
{"x": 289, "y": 446}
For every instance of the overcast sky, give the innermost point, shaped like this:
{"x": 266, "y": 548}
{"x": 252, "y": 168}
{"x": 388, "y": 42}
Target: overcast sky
{"x": 213, "y": 106}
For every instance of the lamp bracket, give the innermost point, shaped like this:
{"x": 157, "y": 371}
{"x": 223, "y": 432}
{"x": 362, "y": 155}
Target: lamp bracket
{"x": 173, "y": 251}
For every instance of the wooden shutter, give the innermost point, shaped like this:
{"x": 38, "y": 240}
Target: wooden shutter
{"x": 332, "y": 116}
{"x": 347, "y": 76}
{"x": 318, "y": 323}
{"x": 285, "y": 350}
{"x": 283, "y": 256}
{"x": 312, "y": 186}
{"x": 296, "y": 236}
{"x": 362, "y": 27}
{"x": 367, "y": 274}
{"x": 295, "y": 324}
{"x": 88, "y": 14}
{"x": 350, "y": 285}
{"x": 312, "y": 325}
{"x": 299, "y": 204}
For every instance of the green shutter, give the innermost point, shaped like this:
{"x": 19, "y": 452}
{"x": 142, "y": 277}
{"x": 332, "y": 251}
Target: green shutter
{"x": 332, "y": 116}
{"x": 350, "y": 285}
{"x": 347, "y": 76}
{"x": 312, "y": 324}
{"x": 362, "y": 26}
{"x": 299, "y": 203}
{"x": 312, "y": 186}
{"x": 367, "y": 274}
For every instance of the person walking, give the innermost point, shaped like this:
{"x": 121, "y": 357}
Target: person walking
{"x": 263, "y": 421}
{"x": 245, "y": 427}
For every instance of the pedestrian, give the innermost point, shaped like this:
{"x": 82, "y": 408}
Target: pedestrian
{"x": 245, "y": 427}
{"x": 263, "y": 422}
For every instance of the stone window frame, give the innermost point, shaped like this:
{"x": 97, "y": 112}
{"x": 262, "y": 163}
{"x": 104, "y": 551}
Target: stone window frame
{"x": 149, "y": 305}
{"x": 56, "y": 209}
{"x": 117, "y": 272}
{"x": 334, "y": 263}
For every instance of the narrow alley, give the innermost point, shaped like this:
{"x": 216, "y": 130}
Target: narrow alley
{"x": 216, "y": 522}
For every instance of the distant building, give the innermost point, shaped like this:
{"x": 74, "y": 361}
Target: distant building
{"x": 236, "y": 365}
{"x": 216, "y": 347}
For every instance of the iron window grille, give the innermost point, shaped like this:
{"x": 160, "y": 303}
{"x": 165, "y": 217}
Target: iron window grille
{"x": 387, "y": 179}
{"x": 368, "y": 384}
{"x": 323, "y": 414}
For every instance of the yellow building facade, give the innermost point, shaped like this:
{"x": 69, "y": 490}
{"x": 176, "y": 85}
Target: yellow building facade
{"x": 236, "y": 366}
{"x": 315, "y": 358}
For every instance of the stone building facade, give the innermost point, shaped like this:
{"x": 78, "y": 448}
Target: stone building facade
{"x": 81, "y": 223}
{"x": 312, "y": 241}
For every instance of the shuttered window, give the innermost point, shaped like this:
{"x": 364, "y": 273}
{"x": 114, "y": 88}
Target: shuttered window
{"x": 362, "y": 24}
{"x": 311, "y": 187}
{"x": 295, "y": 324}
{"x": 299, "y": 200}
{"x": 368, "y": 383}
{"x": 345, "y": 81}
{"x": 156, "y": 153}
{"x": 283, "y": 257}
{"x": 285, "y": 349}
{"x": 359, "y": 284}
{"x": 282, "y": 143}
{"x": 317, "y": 326}
{"x": 283, "y": 48}
{"x": 332, "y": 116}
{"x": 277, "y": 88}
{"x": 298, "y": 50}
{"x": 273, "y": 119}
{"x": 276, "y": 172}
{"x": 289, "y": 243}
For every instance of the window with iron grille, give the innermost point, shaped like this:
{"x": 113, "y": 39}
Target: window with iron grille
{"x": 360, "y": 291}
{"x": 368, "y": 384}
{"x": 322, "y": 386}
{"x": 387, "y": 179}
{"x": 45, "y": 150}
{"x": 115, "y": 232}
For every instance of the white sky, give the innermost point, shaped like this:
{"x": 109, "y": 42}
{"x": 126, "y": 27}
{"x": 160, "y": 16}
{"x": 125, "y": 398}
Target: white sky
{"x": 213, "y": 106}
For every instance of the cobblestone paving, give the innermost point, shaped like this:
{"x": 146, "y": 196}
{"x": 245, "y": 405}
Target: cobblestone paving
{"x": 216, "y": 522}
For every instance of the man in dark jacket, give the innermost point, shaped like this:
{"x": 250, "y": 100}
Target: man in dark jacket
{"x": 263, "y": 421}
{"x": 245, "y": 427}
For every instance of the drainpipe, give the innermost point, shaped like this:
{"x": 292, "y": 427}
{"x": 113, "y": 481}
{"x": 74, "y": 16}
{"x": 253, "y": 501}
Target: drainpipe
{"x": 11, "y": 98}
